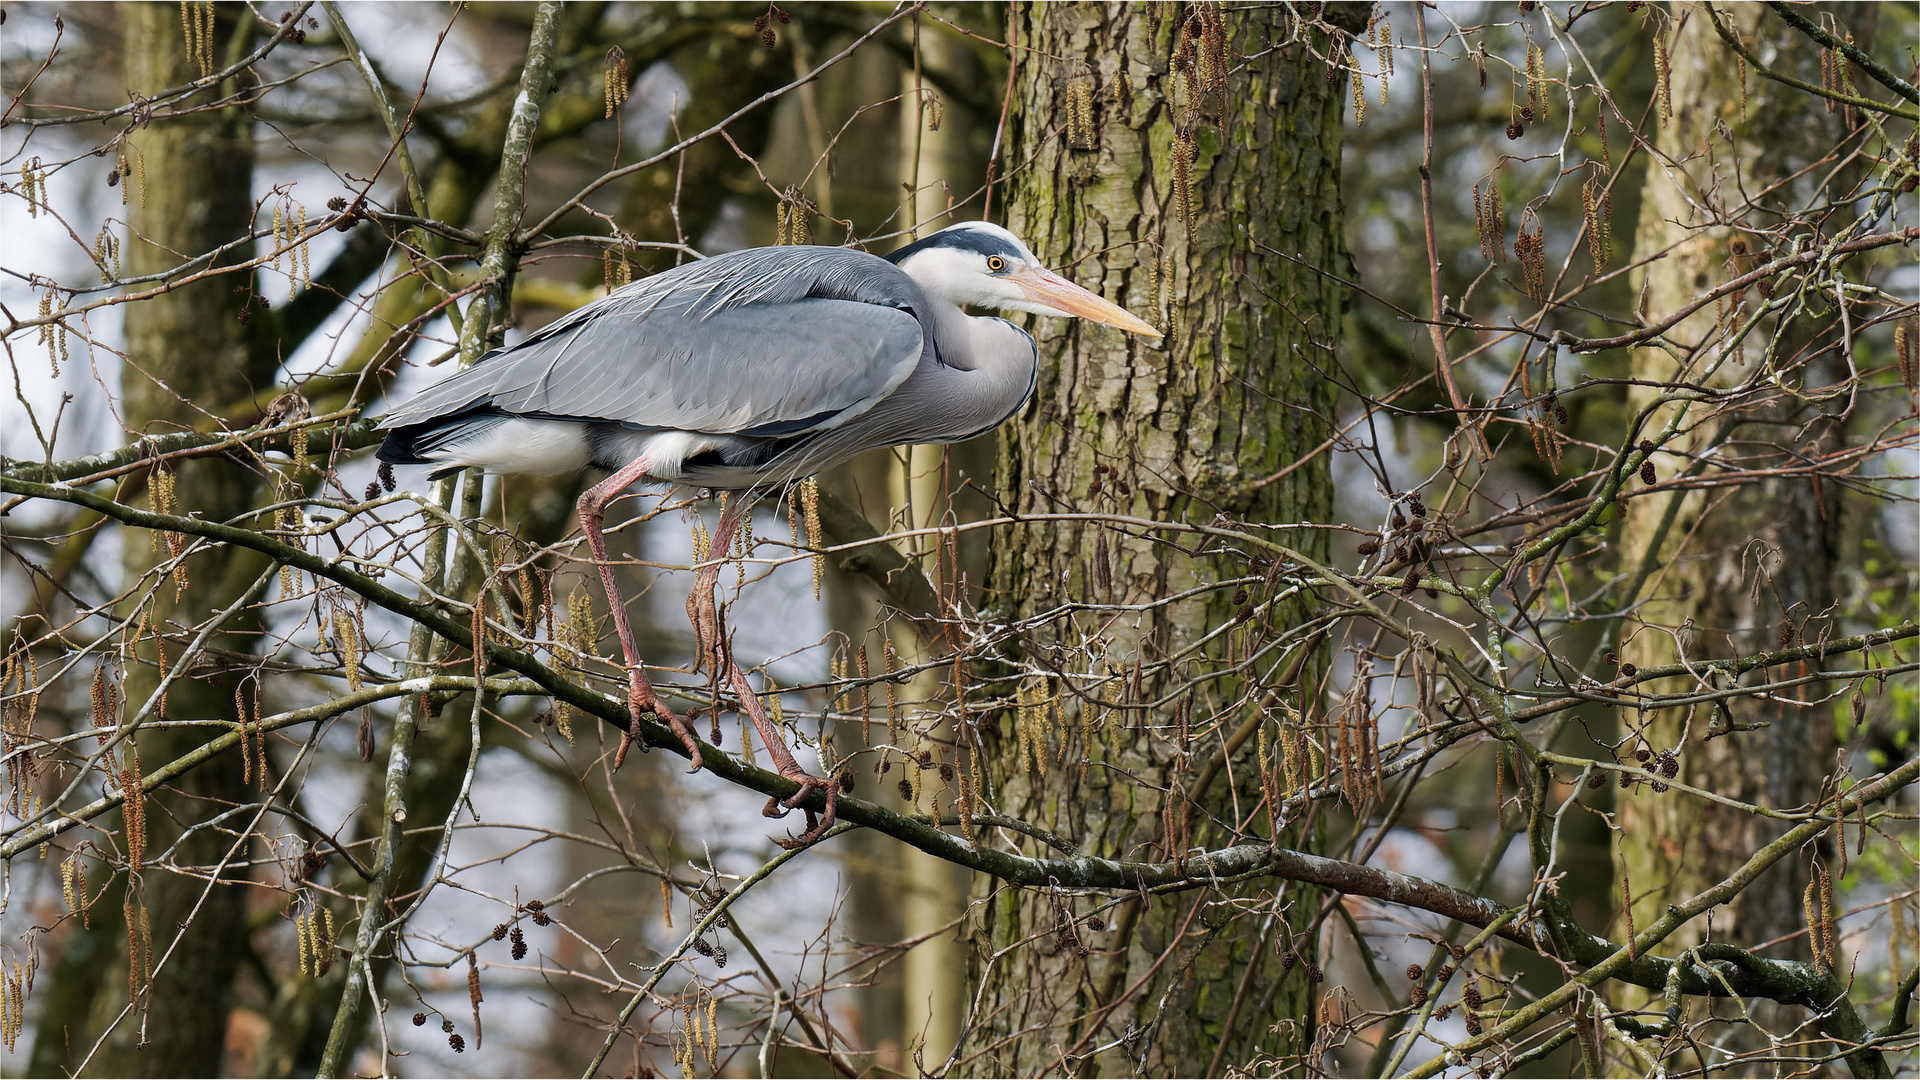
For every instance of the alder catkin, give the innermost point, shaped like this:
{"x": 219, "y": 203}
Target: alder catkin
{"x": 1809, "y": 901}
{"x": 702, "y": 542}
{"x": 347, "y": 633}
{"x": 1903, "y": 355}
{"x": 616, "y": 80}
{"x": 134, "y": 812}
{"x": 129, "y": 910}
{"x": 810, "y": 503}
{"x": 891, "y": 662}
{"x": 1185, "y": 152}
{"x": 1663, "y": 75}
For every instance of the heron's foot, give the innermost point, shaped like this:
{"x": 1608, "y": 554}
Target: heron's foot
{"x": 640, "y": 700}
{"x": 817, "y": 824}
{"x": 775, "y": 742}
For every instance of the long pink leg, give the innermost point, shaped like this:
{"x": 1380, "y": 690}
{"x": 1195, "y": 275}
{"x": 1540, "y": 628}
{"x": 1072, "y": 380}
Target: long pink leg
{"x": 640, "y": 695}
{"x": 701, "y": 610}
{"x": 775, "y": 742}
{"x": 708, "y": 648}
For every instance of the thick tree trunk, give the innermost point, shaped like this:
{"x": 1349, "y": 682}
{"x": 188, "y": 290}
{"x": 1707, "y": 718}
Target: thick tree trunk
{"x": 1730, "y": 565}
{"x": 1187, "y": 430}
{"x": 186, "y": 352}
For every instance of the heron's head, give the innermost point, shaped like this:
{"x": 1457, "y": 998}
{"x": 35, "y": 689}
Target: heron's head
{"x": 986, "y": 266}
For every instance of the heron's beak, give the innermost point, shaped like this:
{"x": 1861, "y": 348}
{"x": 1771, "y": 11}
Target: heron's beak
{"x": 1063, "y": 297}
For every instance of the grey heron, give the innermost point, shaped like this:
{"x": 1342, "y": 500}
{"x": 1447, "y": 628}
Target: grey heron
{"x": 743, "y": 372}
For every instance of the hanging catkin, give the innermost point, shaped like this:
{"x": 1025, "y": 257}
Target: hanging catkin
{"x": 347, "y": 633}
{"x": 810, "y": 502}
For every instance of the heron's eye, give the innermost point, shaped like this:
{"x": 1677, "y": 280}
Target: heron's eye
{"x": 996, "y": 264}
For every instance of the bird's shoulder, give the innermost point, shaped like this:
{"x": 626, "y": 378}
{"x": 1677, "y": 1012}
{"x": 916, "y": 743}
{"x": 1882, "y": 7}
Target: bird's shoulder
{"x": 763, "y": 276}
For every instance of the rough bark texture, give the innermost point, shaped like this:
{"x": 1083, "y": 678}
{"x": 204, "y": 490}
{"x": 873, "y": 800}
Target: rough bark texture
{"x": 189, "y": 364}
{"x": 1189, "y": 429}
{"x": 1730, "y": 566}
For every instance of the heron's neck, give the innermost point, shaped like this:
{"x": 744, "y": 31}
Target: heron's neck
{"x": 990, "y": 366}
{"x": 988, "y": 372}
{"x": 972, "y": 342}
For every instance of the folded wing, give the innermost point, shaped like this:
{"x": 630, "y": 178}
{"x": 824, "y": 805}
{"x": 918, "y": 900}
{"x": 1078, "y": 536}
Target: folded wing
{"x": 762, "y": 342}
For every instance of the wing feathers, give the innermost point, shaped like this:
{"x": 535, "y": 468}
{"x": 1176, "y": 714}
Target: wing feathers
{"x": 781, "y": 340}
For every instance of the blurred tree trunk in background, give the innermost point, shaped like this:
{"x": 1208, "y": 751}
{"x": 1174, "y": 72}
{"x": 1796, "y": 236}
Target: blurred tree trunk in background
{"x": 1764, "y": 561}
{"x": 723, "y": 72}
{"x": 187, "y": 351}
{"x": 929, "y": 893}
{"x": 1187, "y": 426}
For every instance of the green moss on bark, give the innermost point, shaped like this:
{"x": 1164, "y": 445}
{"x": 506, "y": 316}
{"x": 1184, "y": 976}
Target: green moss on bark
{"x": 1191, "y": 427}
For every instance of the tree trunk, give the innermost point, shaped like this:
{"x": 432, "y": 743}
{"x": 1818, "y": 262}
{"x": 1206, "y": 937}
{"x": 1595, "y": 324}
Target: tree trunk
{"x": 913, "y": 1008}
{"x": 1758, "y": 569}
{"x": 1187, "y": 428}
{"x": 187, "y": 351}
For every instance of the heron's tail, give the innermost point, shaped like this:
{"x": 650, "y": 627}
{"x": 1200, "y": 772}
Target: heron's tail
{"x": 494, "y": 441}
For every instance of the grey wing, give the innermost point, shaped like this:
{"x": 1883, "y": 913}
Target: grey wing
{"x": 764, "y": 342}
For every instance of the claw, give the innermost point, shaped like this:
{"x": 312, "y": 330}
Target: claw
{"x": 817, "y": 825}
{"x": 642, "y": 700}
{"x": 680, "y": 728}
{"x": 784, "y": 763}
{"x": 626, "y": 743}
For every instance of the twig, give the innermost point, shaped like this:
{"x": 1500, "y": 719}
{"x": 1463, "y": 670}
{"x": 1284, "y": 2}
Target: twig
{"x": 706, "y": 923}
{"x": 496, "y": 268}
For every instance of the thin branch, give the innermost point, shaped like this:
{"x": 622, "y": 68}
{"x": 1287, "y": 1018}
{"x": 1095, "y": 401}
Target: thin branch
{"x": 1853, "y": 52}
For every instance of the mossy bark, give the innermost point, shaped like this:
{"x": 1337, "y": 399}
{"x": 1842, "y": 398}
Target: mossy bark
{"x": 1724, "y": 594}
{"x": 1189, "y": 427}
{"x": 912, "y": 1006}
